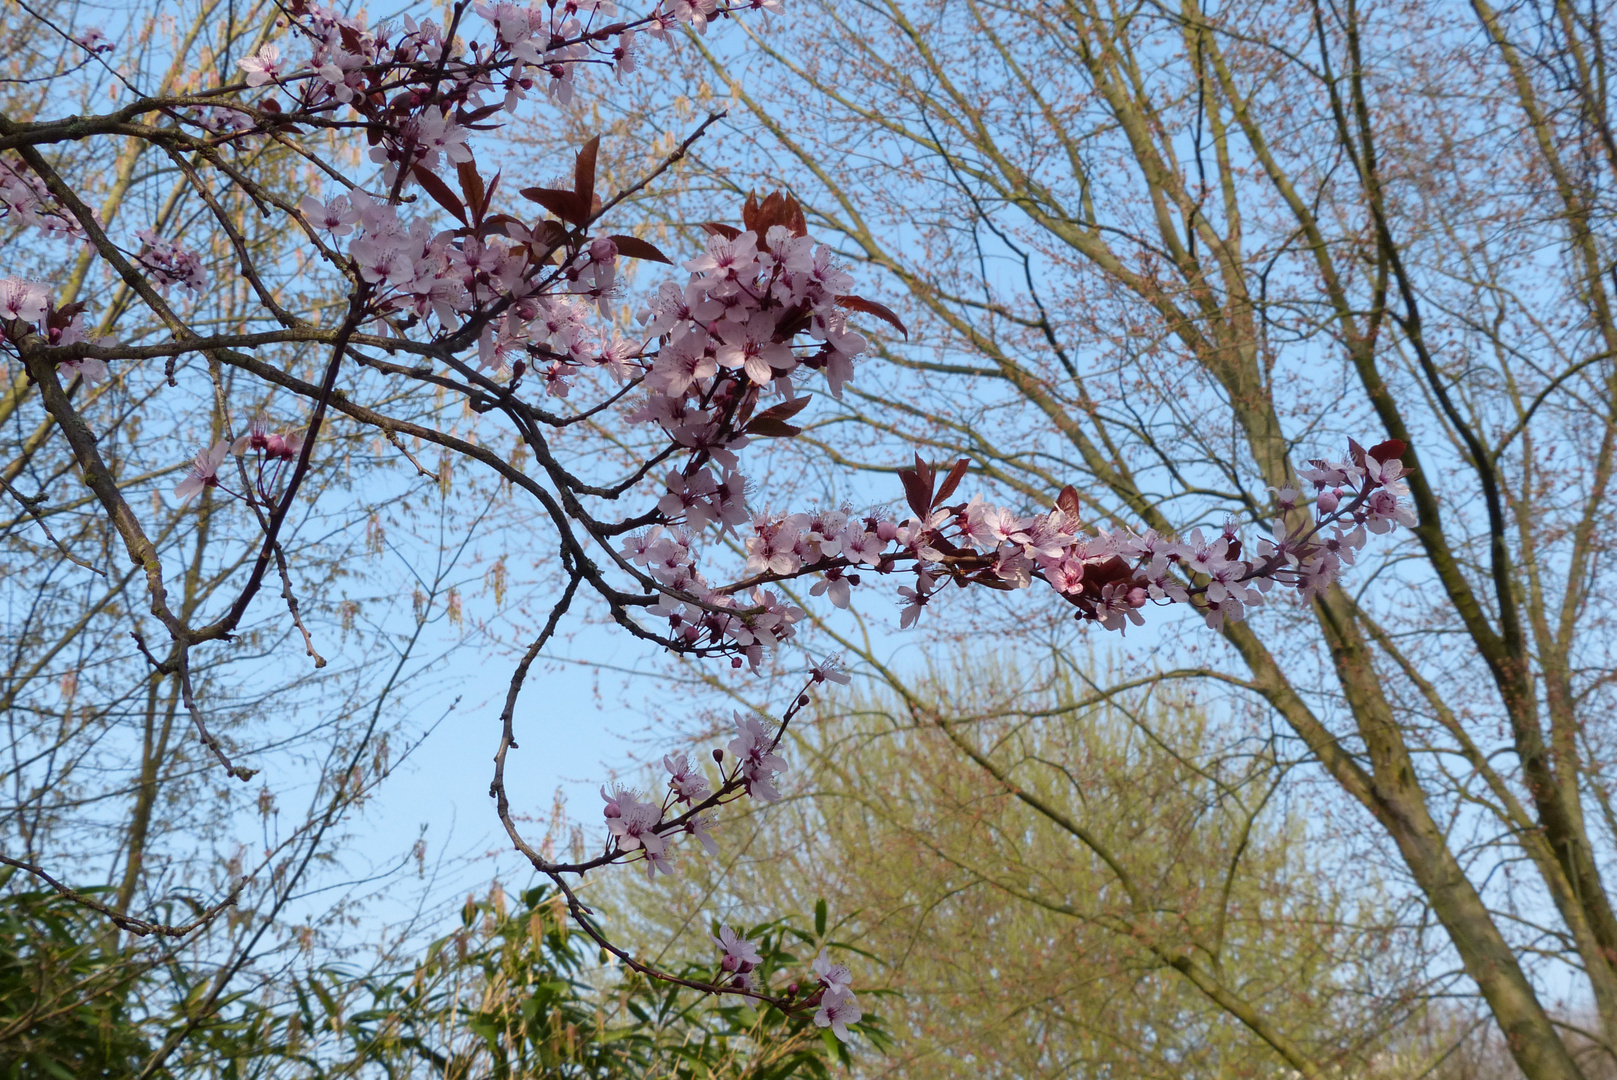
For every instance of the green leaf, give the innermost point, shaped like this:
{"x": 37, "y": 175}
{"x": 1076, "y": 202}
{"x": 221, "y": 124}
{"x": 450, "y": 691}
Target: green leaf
{"x": 819, "y": 917}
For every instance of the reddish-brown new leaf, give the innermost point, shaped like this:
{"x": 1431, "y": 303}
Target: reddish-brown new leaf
{"x": 1067, "y": 502}
{"x": 793, "y": 321}
{"x": 870, "y": 307}
{"x": 440, "y": 191}
{"x": 952, "y": 481}
{"x": 494, "y": 225}
{"x": 564, "y": 204}
{"x": 786, "y": 409}
{"x": 584, "y": 172}
{"x": 471, "y": 185}
{"x": 718, "y": 228}
{"x": 775, "y": 209}
{"x": 1387, "y": 451}
{"x": 767, "y": 428}
{"x": 633, "y": 247}
{"x": 918, "y": 486}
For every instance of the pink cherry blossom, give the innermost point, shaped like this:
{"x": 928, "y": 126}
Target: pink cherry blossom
{"x": 740, "y": 955}
{"x": 262, "y": 67}
{"x": 25, "y": 300}
{"x": 688, "y": 783}
{"x": 838, "y": 1008}
{"x": 90, "y": 369}
{"x": 335, "y": 216}
{"x": 204, "y": 471}
{"x": 758, "y": 761}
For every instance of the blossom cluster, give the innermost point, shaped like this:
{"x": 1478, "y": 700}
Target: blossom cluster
{"x": 1109, "y": 576}
{"x": 832, "y": 998}
{"x": 170, "y": 262}
{"x": 25, "y": 201}
{"x": 637, "y": 824}
{"x": 271, "y": 453}
{"x": 445, "y": 95}
{"x": 26, "y": 308}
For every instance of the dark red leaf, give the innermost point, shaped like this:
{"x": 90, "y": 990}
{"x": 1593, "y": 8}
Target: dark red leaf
{"x": 1356, "y": 452}
{"x": 584, "y": 171}
{"x": 770, "y": 213}
{"x": 59, "y": 317}
{"x": 634, "y": 248}
{"x": 770, "y": 428}
{"x": 494, "y": 225}
{"x": 775, "y": 209}
{"x": 564, "y": 204}
{"x": 793, "y": 321}
{"x": 440, "y": 192}
{"x": 715, "y": 228}
{"x": 484, "y": 113}
{"x": 471, "y": 185}
{"x": 794, "y": 218}
{"x": 1389, "y": 450}
{"x": 952, "y": 481}
{"x": 923, "y": 469}
{"x": 918, "y": 486}
{"x": 1067, "y": 502}
{"x": 870, "y": 307}
{"x": 786, "y": 409}
{"x": 916, "y": 494}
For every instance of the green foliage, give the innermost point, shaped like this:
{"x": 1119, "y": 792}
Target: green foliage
{"x": 1028, "y": 904}
{"x": 509, "y": 995}
{"x": 64, "y": 994}
{"x": 513, "y": 993}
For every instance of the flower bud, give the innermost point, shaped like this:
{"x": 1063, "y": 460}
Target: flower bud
{"x": 803, "y": 699}
{"x": 718, "y": 755}
{"x": 1328, "y": 501}
{"x": 603, "y": 250}
{"x": 791, "y": 989}
{"x": 729, "y": 963}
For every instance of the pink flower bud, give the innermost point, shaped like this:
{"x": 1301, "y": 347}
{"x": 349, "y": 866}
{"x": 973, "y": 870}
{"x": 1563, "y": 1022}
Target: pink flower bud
{"x": 603, "y": 250}
{"x": 1327, "y": 502}
{"x": 276, "y": 445}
